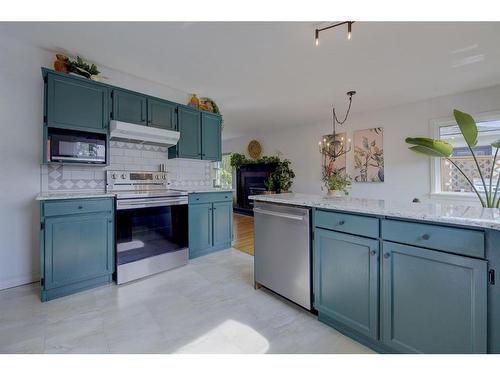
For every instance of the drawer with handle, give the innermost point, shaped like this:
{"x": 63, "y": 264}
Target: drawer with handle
{"x": 439, "y": 237}
{"x": 76, "y": 206}
{"x": 210, "y": 197}
{"x": 347, "y": 223}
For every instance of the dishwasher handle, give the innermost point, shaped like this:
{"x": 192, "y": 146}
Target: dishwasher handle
{"x": 278, "y": 214}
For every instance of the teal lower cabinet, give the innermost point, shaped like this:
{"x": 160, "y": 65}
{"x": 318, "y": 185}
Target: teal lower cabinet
{"x": 77, "y": 245}
{"x": 396, "y": 297}
{"x": 433, "y": 302}
{"x": 346, "y": 287}
{"x": 210, "y": 223}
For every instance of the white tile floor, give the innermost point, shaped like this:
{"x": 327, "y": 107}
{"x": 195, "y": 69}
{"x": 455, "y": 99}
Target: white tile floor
{"x": 208, "y": 306}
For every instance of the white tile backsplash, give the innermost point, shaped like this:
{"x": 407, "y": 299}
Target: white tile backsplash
{"x": 127, "y": 156}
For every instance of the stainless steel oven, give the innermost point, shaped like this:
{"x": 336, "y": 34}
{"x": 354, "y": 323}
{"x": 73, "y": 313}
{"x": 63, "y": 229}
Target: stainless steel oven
{"x": 151, "y": 224}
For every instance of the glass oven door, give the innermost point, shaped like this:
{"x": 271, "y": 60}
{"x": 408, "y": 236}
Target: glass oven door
{"x": 149, "y": 231}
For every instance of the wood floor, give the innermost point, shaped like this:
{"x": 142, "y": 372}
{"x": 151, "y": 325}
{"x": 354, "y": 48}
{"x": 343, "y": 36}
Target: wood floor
{"x": 243, "y": 233}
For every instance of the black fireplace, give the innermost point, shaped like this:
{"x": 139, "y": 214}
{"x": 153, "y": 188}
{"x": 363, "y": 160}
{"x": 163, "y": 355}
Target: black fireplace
{"x": 250, "y": 181}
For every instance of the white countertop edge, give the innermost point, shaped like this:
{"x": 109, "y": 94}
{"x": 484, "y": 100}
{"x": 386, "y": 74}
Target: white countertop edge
{"x": 470, "y": 216}
{"x": 67, "y": 195}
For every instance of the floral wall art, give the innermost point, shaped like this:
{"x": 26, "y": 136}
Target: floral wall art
{"x": 369, "y": 155}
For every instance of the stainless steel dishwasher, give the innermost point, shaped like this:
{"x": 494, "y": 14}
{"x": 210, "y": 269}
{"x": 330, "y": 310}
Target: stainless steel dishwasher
{"x": 283, "y": 251}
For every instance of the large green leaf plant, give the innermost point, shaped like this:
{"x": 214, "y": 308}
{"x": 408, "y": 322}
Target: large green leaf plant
{"x": 441, "y": 149}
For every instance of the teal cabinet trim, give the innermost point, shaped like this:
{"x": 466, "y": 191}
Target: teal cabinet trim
{"x": 454, "y": 240}
{"x": 433, "y": 302}
{"x": 162, "y": 114}
{"x": 211, "y": 137}
{"x": 77, "y": 245}
{"x": 210, "y": 222}
{"x": 346, "y": 271}
{"x": 348, "y": 223}
{"x": 129, "y": 107}
{"x": 75, "y": 104}
{"x": 189, "y": 145}
{"x": 493, "y": 256}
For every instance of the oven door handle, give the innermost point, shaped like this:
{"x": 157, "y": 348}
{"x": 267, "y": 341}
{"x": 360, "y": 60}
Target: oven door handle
{"x": 278, "y": 214}
{"x": 120, "y": 205}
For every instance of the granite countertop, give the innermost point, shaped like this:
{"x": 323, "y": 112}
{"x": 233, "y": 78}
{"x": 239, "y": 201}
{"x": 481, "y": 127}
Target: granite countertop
{"x": 432, "y": 212}
{"x": 71, "y": 195}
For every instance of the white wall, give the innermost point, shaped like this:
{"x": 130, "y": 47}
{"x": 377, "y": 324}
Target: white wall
{"x": 407, "y": 175}
{"x": 21, "y": 98}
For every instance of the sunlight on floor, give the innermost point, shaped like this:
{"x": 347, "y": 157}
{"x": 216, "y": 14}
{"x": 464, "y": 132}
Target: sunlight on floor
{"x": 228, "y": 337}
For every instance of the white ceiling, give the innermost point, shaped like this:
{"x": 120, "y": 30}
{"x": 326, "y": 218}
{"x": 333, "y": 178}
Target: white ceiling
{"x": 271, "y": 75}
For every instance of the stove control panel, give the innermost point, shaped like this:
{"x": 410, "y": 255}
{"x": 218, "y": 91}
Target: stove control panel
{"x": 134, "y": 179}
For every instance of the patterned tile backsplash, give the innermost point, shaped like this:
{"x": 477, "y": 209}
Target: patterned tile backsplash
{"x": 127, "y": 156}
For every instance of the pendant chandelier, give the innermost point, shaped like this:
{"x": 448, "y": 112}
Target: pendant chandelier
{"x": 332, "y": 146}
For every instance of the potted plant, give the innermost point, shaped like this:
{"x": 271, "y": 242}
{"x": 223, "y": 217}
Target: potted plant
{"x": 437, "y": 148}
{"x": 283, "y": 176}
{"x": 337, "y": 182}
{"x": 269, "y": 184}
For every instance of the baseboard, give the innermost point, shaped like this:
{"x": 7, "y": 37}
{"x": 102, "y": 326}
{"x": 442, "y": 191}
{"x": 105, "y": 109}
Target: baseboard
{"x": 18, "y": 281}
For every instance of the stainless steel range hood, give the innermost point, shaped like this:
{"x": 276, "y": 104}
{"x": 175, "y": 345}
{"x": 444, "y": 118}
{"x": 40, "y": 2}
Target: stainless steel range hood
{"x": 143, "y": 134}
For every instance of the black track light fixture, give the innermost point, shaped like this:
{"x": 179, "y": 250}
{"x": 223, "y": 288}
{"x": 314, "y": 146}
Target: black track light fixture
{"x": 349, "y": 30}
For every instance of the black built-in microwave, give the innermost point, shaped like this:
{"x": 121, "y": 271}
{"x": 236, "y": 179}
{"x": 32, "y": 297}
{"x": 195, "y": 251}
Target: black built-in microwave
{"x": 71, "y": 146}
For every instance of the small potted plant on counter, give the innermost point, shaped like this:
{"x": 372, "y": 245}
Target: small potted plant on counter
{"x": 337, "y": 183}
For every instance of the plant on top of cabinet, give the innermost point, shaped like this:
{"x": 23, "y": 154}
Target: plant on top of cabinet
{"x": 441, "y": 149}
{"x": 65, "y": 65}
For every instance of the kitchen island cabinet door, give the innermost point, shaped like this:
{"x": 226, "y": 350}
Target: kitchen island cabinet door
{"x": 223, "y": 216}
{"x": 346, "y": 270}
{"x": 432, "y": 302}
{"x": 77, "y": 248}
{"x": 200, "y": 229}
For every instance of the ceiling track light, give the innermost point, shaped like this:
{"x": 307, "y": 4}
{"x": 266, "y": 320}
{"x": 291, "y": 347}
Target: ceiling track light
{"x": 349, "y": 30}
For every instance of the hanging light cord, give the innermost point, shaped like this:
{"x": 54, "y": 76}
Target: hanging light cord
{"x": 346, "y": 114}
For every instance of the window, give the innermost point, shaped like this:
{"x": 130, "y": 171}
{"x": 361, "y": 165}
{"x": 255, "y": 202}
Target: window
{"x": 226, "y": 171}
{"x": 445, "y": 176}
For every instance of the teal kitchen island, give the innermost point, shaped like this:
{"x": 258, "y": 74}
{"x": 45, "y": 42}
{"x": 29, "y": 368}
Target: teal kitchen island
{"x": 404, "y": 278}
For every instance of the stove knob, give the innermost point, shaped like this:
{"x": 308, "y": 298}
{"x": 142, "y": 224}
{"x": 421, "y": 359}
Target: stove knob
{"x": 164, "y": 177}
{"x": 157, "y": 177}
{"x": 124, "y": 176}
{"x": 113, "y": 176}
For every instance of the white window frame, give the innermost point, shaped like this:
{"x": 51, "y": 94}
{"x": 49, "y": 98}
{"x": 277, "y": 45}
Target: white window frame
{"x": 435, "y": 166}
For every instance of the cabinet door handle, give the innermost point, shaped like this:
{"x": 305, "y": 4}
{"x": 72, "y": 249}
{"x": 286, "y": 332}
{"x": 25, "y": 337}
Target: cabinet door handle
{"x": 80, "y": 207}
{"x": 110, "y": 221}
{"x": 341, "y": 222}
{"x": 387, "y": 255}
{"x": 425, "y": 236}
{"x": 373, "y": 252}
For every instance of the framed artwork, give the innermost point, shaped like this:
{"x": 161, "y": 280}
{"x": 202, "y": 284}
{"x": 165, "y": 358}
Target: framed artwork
{"x": 369, "y": 155}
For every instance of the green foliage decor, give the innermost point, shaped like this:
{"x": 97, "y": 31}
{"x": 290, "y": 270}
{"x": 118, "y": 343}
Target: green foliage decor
{"x": 437, "y": 148}
{"x": 337, "y": 181}
{"x": 282, "y": 177}
{"x": 80, "y": 67}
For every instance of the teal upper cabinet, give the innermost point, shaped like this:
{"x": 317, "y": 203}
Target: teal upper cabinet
{"x": 189, "y": 145}
{"x": 346, "y": 280}
{"x": 129, "y": 107}
{"x": 211, "y": 137}
{"x": 432, "y": 302}
{"x": 75, "y": 103}
{"x": 162, "y": 114}
{"x": 200, "y": 136}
